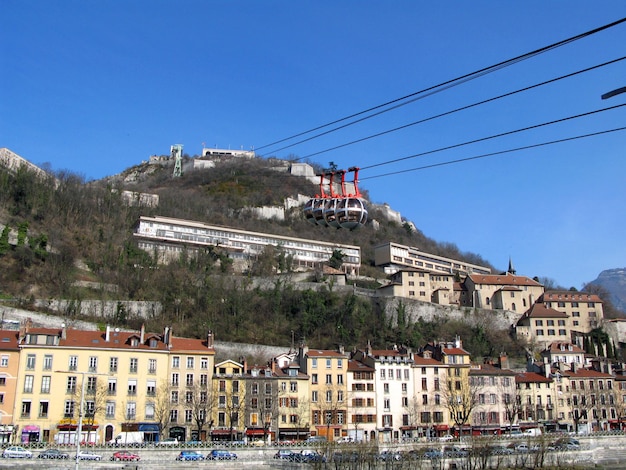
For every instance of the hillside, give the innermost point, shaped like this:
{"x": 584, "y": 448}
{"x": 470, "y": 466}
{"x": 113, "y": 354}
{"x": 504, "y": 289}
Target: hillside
{"x": 613, "y": 281}
{"x": 88, "y": 228}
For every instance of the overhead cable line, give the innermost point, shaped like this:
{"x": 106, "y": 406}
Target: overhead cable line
{"x": 485, "y": 155}
{"x": 483, "y": 139}
{"x": 463, "y": 108}
{"x": 443, "y": 86}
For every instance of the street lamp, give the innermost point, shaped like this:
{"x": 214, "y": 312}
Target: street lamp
{"x": 79, "y": 429}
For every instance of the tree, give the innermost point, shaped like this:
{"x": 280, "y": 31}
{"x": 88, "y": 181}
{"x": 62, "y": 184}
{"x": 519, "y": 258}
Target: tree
{"x": 96, "y": 396}
{"x": 330, "y": 408}
{"x": 163, "y": 406}
{"x": 4, "y": 240}
{"x": 202, "y": 400}
{"x": 336, "y": 259}
{"x": 461, "y": 397}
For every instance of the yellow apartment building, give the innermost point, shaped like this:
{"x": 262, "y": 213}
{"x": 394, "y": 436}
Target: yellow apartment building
{"x": 229, "y": 389}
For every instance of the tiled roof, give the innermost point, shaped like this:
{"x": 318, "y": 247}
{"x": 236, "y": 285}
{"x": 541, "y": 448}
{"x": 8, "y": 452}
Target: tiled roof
{"x": 541, "y": 311}
{"x": 455, "y": 351}
{"x": 568, "y": 296}
{"x": 556, "y": 347}
{"x": 324, "y": 353}
{"x": 488, "y": 369}
{"x": 527, "y": 377}
{"x": 503, "y": 280}
{"x": 587, "y": 374}
{"x": 426, "y": 361}
{"x": 358, "y": 366}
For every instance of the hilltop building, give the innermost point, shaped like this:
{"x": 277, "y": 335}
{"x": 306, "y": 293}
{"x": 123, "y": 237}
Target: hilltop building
{"x": 167, "y": 238}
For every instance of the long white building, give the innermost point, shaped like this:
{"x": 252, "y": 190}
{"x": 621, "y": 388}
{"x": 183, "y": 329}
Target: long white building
{"x": 168, "y": 237}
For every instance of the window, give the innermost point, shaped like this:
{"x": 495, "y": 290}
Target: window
{"x": 131, "y": 410}
{"x": 175, "y": 362}
{"x": 112, "y": 387}
{"x": 132, "y": 387}
{"x": 113, "y": 364}
{"x": 539, "y": 332}
{"x": 25, "y": 409}
{"x": 152, "y": 366}
{"x": 91, "y": 384}
{"x": 314, "y": 378}
{"x": 151, "y": 388}
{"x": 30, "y": 362}
{"x": 188, "y": 416}
{"x": 93, "y": 364}
{"x": 71, "y": 384}
{"x": 190, "y": 363}
{"x": 73, "y": 362}
{"x": 174, "y": 416}
{"x": 329, "y": 363}
{"x": 47, "y": 362}
{"x": 340, "y": 379}
{"x": 43, "y": 409}
{"x": 293, "y": 386}
{"x": 314, "y": 396}
{"x": 204, "y": 380}
{"x": 4, "y": 361}
{"x": 175, "y": 380}
{"x": 204, "y": 363}
{"x": 133, "y": 365}
{"x": 268, "y": 388}
{"x": 149, "y": 410}
{"x": 174, "y": 396}
{"x": 28, "y": 383}
{"x": 68, "y": 409}
{"x": 424, "y": 383}
{"x": 382, "y": 374}
{"x": 386, "y": 388}
{"x": 45, "y": 384}
{"x": 339, "y": 363}
{"x": 329, "y": 396}
{"x": 189, "y": 380}
{"x": 329, "y": 379}
{"x": 314, "y": 363}
{"x": 538, "y": 322}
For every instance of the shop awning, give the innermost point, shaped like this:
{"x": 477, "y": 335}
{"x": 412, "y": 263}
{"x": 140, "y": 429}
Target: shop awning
{"x": 223, "y": 432}
{"x": 30, "y": 428}
{"x": 256, "y": 432}
{"x": 408, "y": 428}
{"x": 441, "y": 427}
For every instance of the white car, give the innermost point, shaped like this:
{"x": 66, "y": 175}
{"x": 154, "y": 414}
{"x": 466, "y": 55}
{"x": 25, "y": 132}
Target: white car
{"x": 446, "y": 438}
{"x": 89, "y": 456}
{"x": 168, "y": 441}
{"x": 17, "y": 452}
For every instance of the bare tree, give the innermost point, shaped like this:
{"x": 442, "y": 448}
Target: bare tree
{"x": 96, "y": 395}
{"x": 461, "y": 398}
{"x": 203, "y": 401}
{"x": 163, "y": 406}
{"x": 330, "y": 409}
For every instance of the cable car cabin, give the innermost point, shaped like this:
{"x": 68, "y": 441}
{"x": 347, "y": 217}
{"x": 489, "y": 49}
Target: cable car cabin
{"x": 351, "y": 212}
{"x": 330, "y": 217}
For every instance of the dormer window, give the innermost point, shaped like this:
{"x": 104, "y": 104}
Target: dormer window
{"x": 153, "y": 343}
{"x": 134, "y": 342}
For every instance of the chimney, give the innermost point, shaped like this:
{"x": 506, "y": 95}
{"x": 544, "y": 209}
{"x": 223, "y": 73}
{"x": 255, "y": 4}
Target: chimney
{"x": 341, "y": 349}
{"x": 546, "y": 367}
{"x": 107, "y": 334}
{"x": 457, "y": 342}
{"x": 142, "y": 333}
{"x": 209, "y": 340}
{"x": 368, "y": 349}
{"x": 169, "y": 338}
{"x": 63, "y": 331}
{"x": 504, "y": 361}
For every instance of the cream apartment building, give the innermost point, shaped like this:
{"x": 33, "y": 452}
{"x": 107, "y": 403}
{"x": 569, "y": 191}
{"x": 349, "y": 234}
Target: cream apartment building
{"x": 9, "y": 370}
{"x": 394, "y": 386}
{"x": 328, "y": 371}
{"x": 585, "y": 310}
{"x": 505, "y": 291}
{"x": 362, "y": 413}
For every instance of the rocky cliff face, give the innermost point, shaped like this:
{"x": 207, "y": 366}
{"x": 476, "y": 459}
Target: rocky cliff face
{"x": 614, "y": 281}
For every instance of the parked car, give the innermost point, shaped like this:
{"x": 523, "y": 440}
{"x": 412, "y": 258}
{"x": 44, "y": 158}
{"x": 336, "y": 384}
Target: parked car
{"x": 446, "y": 438}
{"x": 190, "y": 455}
{"x": 53, "y": 454}
{"x": 454, "y": 452}
{"x": 566, "y": 443}
{"x": 432, "y": 454}
{"x": 501, "y": 450}
{"x": 88, "y": 456}
{"x": 194, "y": 443}
{"x": 346, "y": 457}
{"x": 125, "y": 456}
{"x": 17, "y": 452}
{"x": 390, "y": 456}
{"x": 313, "y": 456}
{"x": 283, "y": 454}
{"x": 218, "y": 454}
{"x": 168, "y": 441}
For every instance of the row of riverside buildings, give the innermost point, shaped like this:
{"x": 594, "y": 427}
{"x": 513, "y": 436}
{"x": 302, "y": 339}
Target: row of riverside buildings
{"x": 168, "y": 386}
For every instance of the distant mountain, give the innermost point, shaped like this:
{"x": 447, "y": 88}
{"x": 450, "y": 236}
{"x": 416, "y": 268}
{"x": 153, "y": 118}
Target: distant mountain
{"x": 614, "y": 281}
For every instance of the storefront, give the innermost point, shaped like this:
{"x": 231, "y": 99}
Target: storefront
{"x": 293, "y": 434}
{"x": 225, "y": 435}
{"x": 30, "y": 433}
{"x": 6, "y": 433}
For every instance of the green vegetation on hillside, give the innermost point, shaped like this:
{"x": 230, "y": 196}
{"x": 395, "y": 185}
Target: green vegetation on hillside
{"x": 88, "y": 223}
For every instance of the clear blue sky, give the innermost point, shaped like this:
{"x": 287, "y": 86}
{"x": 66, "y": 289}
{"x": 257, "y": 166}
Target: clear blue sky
{"x": 97, "y": 86}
